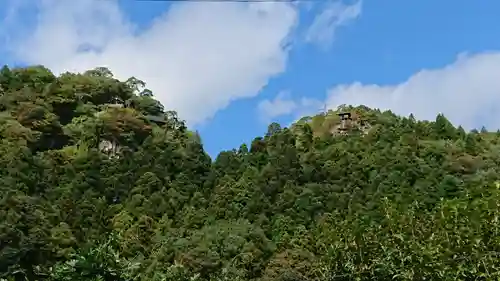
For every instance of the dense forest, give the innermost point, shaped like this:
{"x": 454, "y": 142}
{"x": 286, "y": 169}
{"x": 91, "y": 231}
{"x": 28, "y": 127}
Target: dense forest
{"x": 99, "y": 182}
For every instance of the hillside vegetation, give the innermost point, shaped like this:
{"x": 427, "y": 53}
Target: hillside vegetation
{"x": 99, "y": 182}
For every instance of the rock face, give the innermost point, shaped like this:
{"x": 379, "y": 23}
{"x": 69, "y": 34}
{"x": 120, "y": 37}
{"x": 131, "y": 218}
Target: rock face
{"x": 349, "y": 121}
{"x": 109, "y": 147}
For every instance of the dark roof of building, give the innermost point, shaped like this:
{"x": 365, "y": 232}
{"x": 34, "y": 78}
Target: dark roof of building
{"x": 156, "y": 119}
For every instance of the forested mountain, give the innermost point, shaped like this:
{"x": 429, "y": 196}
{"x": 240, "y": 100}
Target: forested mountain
{"x": 99, "y": 182}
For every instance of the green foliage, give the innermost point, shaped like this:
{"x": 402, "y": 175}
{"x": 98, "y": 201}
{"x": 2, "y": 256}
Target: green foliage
{"x": 93, "y": 188}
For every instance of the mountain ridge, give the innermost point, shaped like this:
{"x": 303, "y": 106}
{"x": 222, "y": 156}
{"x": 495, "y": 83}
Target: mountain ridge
{"x": 90, "y": 191}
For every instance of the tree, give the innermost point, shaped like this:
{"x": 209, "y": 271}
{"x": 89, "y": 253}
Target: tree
{"x": 401, "y": 199}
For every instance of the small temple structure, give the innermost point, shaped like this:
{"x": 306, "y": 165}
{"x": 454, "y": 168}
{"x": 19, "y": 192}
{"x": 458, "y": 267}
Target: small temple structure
{"x": 159, "y": 120}
{"x": 345, "y": 118}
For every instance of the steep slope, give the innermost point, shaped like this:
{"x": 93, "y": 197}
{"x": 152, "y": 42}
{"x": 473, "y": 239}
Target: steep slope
{"x": 98, "y": 182}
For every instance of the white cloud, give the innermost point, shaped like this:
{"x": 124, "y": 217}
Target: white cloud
{"x": 467, "y": 92}
{"x": 322, "y": 30}
{"x": 196, "y": 58}
{"x": 284, "y": 104}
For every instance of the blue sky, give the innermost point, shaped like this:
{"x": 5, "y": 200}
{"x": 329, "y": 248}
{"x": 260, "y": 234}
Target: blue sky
{"x": 230, "y": 69}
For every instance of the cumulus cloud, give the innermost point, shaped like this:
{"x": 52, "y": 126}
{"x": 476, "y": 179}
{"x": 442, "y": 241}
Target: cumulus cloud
{"x": 466, "y": 91}
{"x": 322, "y": 30}
{"x": 197, "y": 57}
{"x": 284, "y": 104}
